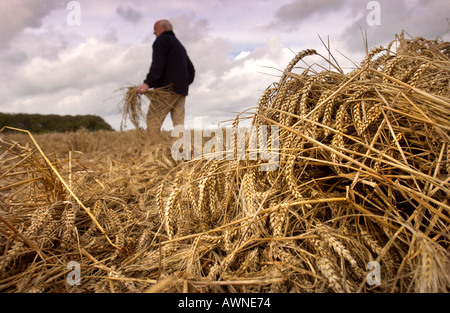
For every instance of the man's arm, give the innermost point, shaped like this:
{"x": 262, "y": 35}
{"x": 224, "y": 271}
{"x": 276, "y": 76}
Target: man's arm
{"x": 155, "y": 72}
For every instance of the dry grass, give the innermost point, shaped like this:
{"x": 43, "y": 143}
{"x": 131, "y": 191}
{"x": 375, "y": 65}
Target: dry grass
{"x": 133, "y": 107}
{"x": 363, "y": 176}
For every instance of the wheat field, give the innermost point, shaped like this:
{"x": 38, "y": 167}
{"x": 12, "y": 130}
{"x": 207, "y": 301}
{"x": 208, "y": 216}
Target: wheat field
{"x": 362, "y": 181}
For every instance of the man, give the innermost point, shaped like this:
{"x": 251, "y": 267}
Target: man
{"x": 171, "y": 67}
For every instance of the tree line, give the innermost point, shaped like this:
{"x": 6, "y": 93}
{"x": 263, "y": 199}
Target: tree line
{"x": 37, "y": 123}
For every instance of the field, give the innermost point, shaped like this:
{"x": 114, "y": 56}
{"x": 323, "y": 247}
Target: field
{"x": 358, "y": 201}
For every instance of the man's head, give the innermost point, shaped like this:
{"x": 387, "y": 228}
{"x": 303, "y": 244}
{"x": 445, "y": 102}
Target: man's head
{"x": 161, "y": 26}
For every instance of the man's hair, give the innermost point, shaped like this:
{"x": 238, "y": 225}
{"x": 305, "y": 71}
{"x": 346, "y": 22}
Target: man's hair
{"x": 167, "y": 25}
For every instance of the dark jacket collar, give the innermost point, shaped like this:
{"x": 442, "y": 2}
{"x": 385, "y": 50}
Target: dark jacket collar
{"x": 168, "y": 32}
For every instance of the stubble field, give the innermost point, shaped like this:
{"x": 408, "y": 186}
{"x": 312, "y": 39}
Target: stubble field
{"x": 357, "y": 203}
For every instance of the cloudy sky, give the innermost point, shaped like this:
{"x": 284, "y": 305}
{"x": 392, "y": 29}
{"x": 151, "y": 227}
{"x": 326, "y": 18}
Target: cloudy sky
{"x": 71, "y": 57}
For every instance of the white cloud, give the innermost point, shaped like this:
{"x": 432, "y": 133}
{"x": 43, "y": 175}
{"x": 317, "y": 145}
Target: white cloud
{"x": 238, "y": 48}
{"x": 239, "y": 83}
{"x": 91, "y": 63}
{"x": 83, "y": 79}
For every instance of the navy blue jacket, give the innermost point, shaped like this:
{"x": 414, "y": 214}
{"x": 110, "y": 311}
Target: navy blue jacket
{"x": 170, "y": 65}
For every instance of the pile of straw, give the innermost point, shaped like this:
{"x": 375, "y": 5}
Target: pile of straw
{"x": 132, "y": 104}
{"x": 363, "y": 176}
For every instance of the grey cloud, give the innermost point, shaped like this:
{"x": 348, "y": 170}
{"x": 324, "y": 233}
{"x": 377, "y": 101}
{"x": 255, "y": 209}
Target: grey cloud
{"x": 299, "y": 10}
{"x": 20, "y": 14}
{"x": 291, "y": 15}
{"x": 129, "y": 14}
{"x": 111, "y": 36}
{"x": 12, "y": 58}
{"x": 426, "y": 19}
{"x": 189, "y": 28}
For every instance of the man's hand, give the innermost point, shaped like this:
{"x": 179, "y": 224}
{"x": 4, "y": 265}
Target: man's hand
{"x": 142, "y": 88}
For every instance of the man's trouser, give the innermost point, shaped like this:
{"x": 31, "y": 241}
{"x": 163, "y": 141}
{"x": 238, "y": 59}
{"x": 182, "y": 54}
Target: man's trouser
{"x": 160, "y": 106}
